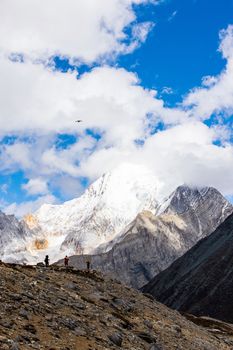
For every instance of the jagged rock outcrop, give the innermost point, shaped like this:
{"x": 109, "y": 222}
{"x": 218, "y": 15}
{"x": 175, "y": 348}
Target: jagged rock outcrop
{"x": 65, "y": 309}
{"x": 201, "y": 281}
{"x": 151, "y": 243}
{"x": 13, "y": 235}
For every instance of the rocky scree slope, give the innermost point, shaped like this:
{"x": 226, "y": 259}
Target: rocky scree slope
{"x": 151, "y": 243}
{"x": 58, "y": 309}
{"x": 201, "y": 281}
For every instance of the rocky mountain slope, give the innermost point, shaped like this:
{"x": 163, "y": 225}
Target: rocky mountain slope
{"x": 151, "y": 243}
{"x": 13, "y": 235}
{"x": 69, "y": 309}
{"x": 201, "y": 281}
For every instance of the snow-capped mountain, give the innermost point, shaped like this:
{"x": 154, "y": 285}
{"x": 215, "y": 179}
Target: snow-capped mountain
{"x": 107, "y": 206}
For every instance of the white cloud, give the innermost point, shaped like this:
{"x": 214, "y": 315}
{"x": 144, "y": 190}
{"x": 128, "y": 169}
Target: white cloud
{"x": 36, "y": 186}
{"x": 140, "y": 32}
{"x": 23, "y": 208}
{"x": 37, "y": 103}
{"x": 15, "y": 156}
{"x": 186, "y": 154}
{"x": 180, "y": 154}
{"x": 33, "y": 99}
{"x": 68, "y": 186}
{"x": 217, "y": 94}
{"x": 4, "y": 188}
{"x": 83, "y": 29}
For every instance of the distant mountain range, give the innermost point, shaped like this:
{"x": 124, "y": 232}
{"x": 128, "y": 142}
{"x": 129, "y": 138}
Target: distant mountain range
{"x": 201, "y": 281}
{"x": 121, "y": 222}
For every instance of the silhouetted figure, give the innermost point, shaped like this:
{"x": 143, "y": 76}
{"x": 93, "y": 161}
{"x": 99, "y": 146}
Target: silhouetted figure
{"x": 88, "y": 265}
{"x": 66, "y": 260}
{"x": 46, "y": 260}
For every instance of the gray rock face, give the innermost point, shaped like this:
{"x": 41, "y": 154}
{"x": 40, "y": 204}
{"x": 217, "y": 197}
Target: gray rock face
{"x": 12, "y": 234}
{"x": 200, "y": 282}
{"x": 151, "y": 243}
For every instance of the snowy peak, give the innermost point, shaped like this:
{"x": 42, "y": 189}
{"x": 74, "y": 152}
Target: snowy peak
{"x": 186, "y": 198}
{"x": 114, "y": 189}
{"x": 101, "y": 213}
{"x": 128, "y": 180}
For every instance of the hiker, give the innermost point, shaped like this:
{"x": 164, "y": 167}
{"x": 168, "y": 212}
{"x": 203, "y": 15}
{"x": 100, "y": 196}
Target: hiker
{"x": 88, "y": 265}
{"x": 46, "y": 260}
{"x": 66, "y": 260}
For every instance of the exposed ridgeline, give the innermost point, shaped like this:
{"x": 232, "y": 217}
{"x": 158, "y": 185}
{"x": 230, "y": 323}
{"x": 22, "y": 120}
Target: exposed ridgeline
{"x": 63, "y": 309}
{"x": 151, "y": 243}
{"x": 201, "y": 281}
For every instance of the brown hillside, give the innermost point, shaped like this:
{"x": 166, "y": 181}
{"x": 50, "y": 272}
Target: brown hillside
{"x": 58, "y": 309}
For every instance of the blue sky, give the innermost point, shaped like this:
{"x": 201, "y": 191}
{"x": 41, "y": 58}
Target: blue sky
{"x": 168, "y": 49}
{"x": 182, "y": 48}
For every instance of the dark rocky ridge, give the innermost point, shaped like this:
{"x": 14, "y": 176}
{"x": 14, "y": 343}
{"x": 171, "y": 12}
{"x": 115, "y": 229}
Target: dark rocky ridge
{"x": 151, "y": 243}
{"x": 201, "y": 281}
{"x": 65, "y": 309}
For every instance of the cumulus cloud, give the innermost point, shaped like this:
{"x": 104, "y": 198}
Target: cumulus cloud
{"x": 15, "y": 156}
{"x": 83, "y": 30}
{"x": 216, "y": 96}
{"x": 35, "y": 186}
{"x": 187, "y": 154}
{"x": 69, "y": 187}
{"x": 34, "y": 99}
{"x": 184, "y": 153}
{"x": 121, "y": 119}
{"x": 23, "y": 208}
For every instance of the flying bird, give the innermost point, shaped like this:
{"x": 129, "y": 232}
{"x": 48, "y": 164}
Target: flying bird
{"x": 78, "y": 121}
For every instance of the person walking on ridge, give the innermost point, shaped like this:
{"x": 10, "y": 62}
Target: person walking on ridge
{"x": 66, "y": 261}
{"x": 88, "y": 265}
{"x": 46, "y": 260}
